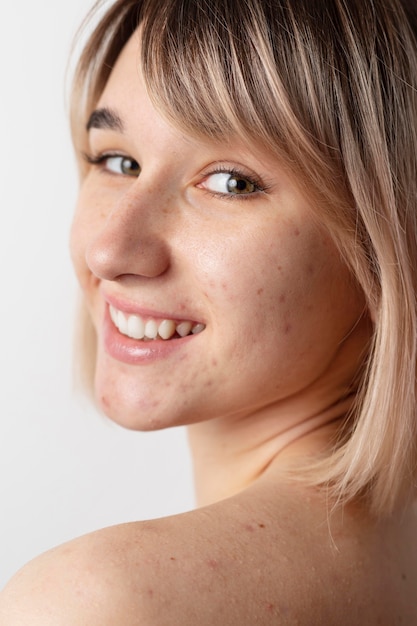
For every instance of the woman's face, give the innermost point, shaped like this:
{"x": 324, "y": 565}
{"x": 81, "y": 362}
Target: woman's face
{"x": 173, "y": 234}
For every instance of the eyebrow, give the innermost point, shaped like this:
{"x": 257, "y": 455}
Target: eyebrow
{"x": 105, "y": 119}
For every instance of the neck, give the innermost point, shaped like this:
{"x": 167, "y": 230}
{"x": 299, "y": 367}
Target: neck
{"x": 232, "y": 452}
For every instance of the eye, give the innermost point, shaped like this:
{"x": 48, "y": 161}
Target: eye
{"x": 115, "y": 163}
{"x": 121, "y": 165}
{"x": 230, "y": 183}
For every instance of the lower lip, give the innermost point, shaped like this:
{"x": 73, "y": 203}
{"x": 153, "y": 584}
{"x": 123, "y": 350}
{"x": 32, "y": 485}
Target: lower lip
{"x": 136, "y": 352}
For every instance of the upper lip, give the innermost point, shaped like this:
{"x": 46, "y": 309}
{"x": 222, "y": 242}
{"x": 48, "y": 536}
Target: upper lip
{"x": 131, "y": 308}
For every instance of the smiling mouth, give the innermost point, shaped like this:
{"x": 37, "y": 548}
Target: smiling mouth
{"x": 136, "y": 327}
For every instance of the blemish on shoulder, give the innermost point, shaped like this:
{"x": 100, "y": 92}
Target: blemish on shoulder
{"x": 270, "y": 607}
{"x": 261, "y": 525}
{"x": 287, "y": 329}
{"x": 282, "y": 298}
{"x": 403, "y": 577}
{"x": 172, "y": 558}
{"x": 260, "y": 291}
{"x": 297, "y": 232}
{"x": 212, "y": 563}
{"x": 249, "y": 528}
{"x": 150, "y": 593}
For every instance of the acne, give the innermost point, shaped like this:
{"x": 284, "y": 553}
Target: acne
{"x": 249, "y": 528}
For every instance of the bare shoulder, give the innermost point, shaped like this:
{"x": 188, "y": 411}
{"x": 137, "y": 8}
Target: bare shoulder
{"x": 263, "y": 557}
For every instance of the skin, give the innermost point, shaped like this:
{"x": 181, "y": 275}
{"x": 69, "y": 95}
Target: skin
{"x": 265, "y": 384}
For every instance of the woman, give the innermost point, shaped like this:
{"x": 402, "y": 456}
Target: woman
{"x": 245, "y": 239}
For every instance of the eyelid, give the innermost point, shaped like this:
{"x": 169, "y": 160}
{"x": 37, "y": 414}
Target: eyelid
{"x": 99, "y": 159}
{"x": 96, "y": 159}
{"x": 236, "y": 171}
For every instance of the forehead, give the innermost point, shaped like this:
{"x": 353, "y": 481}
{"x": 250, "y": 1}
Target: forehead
{"x": 126, "y": 77}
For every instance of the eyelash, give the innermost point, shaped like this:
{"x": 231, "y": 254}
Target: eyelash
{"x": 99, "y": 159}
{"x": 233, "y": 172}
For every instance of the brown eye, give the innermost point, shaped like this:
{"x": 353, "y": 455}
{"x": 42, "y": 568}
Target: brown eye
{"x": 122, "y": 165}
{"x": 240, "y": 185}
{"x": 230, "y": 184}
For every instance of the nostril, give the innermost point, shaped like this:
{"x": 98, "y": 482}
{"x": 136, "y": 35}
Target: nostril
{"x": 110, "y": 256}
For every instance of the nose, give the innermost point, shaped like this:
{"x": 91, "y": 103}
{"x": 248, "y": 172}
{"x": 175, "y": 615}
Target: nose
{"x": 130, "y": 240}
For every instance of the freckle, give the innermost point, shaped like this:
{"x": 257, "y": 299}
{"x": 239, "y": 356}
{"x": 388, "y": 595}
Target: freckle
{"x": 214, "y": 362}
{"x": 270, "y": 607}
{"x": 172, "y": 558}
{"x": 282, "y": 298}
{"x": 209, "y": 383}
{"x": 260, "y": 291}
{"x": 150, "y": 593}
{"x": 212, "y": 563}
{"x": 404, "y": 577}
{"x": 261, "y": 525}
{"x": 310, "y": 270}
{"x": 279, "y": 268}
{"x": 297, "y": 232}
{"x": 224, "y": 286}
{"x": 287, "y": 329}
{"x": 104, "y": 401}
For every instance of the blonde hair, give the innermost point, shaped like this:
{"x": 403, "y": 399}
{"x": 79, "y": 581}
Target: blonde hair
{"x": 328, "y": 86}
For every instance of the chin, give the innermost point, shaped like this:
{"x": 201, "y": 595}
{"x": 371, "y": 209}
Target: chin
{"x": 133, "y": 406}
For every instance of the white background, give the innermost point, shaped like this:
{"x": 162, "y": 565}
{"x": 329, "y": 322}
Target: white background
{"x": 64, "y": 470}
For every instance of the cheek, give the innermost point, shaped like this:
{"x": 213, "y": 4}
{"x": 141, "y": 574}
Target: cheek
{"x": 290, "y": 288}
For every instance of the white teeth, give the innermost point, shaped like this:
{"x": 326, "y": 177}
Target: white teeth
{"x": 183, "y": 328}
{"x": 135, "y": 327}
{"x": 151, "y": 329}
{"x": 113, "y": 315}
{"x": 121, "y": 322}
{"x": 166, "y": 329}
